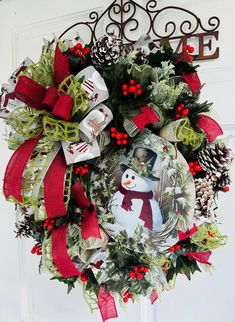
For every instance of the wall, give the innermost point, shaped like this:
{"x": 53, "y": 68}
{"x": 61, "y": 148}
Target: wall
{"x": 207, "y": 298}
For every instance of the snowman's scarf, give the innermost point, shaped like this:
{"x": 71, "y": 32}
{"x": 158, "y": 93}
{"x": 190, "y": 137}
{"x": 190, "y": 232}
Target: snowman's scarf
{"x": 146, "y": 211}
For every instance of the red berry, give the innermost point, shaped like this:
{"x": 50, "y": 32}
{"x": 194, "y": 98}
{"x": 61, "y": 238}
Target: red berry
{"x": 124, "y": 87}
{"x": 125, "y": 299}
{"x": 124, "y": 142}
{"x": 132, "y": 275}
{"x": 130, "y": 296}
{"x": 142, "y": 268}
{"x": 132, "y": 82}
{"x": 132, "y": 89}
{"x": 179, "y": 108}
{"x": 125, "y": 136}
{"x": 136, "y": 269}
{"x": 84, "y": 51}
{"x": 194, "y": 173}
{"x": 33, "y": 251}
{"x": 190, "y": 50}
{"x": 78, "y": 45}
{"x": 125, "y": 93}
{"x": 113, "y": 129}
{"x": 146, "y": 269}
{"x": 71, "y": 49}
{"x": 39, "y": 252}
{"x": 197, "y": 168}
{"x": 50, "y": 227}
{"x": 138, "y": 86}
{"x": 182, "y": 105}
{"x": 118, "y": 136}
{"x": 185, "y": 112}
{"x": 113, "y": 135}
{"x": 119, "y": 142}
{"x": 45, "y": 224}
{"x": 191, "y": 164}
{"x": 177, "y": 247}
{"x": 185, "y": 47}
{"x": 226, "y": 188}
{"x": 138, "y": 92}
{"x": 190, "y": 58}
{"x": 77, "y": 52}
{"x": 177, "y": 116}
{"x": 140, "y": 276}
{"x": 172, "y": 249}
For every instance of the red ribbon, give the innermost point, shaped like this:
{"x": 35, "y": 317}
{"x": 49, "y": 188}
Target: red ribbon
{"x": 106, "y": 305}
{"x": 147, "y": 116}
{"x": 193, "y": 81}
{"x": 54, "y": 187}
{"x": 209, "y": 126}
{"x": 89, "y": 224}
{"x": 62, "y": 261}
{"x": 188, "y": 234}
{"x": 37, "y": 96}
{"x": 153, "y": 296}
{"x": 13, "y": 177}
{"x": 201, "y": 257}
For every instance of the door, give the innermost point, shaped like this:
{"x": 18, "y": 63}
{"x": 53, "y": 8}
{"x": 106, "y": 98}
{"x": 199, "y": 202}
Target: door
{"x": 27, "y": 297}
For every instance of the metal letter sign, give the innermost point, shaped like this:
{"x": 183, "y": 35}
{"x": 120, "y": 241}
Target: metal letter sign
{"x": 130, "y": 20}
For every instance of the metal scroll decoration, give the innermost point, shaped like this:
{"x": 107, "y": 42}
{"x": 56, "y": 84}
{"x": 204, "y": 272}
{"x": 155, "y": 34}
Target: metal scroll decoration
{"x": 121, "y": 18}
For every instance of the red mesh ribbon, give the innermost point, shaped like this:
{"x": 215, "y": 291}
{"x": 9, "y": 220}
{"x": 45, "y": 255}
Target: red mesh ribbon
{"x": 201, "y": 257}
{"x": 210, "y": 127}
{"x": 62, "y": 261}
{"x": 153, "y": 296}
{"x": 12, "y": 185}
{"x": 188, "y": 234}
{"x": 89, "y": 225}
{"x": 106, "y": 305}
{"x": 147, "y": 116}
{"x": 193, "y": 81}
{"x": 54, "y": 187}
{"x": 37, "y": 96}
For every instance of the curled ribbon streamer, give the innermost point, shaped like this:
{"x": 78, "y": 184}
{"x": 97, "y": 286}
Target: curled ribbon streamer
{"x": 62, "y": 261}
{"x": 90, "y": 224}
{"x": 12, "y": 186}
{"x": 209, "y": 126}
{"x": 201, "y": 257}
{"x": 106, "y": 305}
{"x": 147, "y": 116}
{"x": 188, "y": 234}
{"x": 193, "y": 81}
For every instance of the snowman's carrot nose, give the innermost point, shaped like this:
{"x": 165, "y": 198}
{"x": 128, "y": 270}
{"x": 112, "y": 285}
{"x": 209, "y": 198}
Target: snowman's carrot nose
{"x": 127, "y": 183}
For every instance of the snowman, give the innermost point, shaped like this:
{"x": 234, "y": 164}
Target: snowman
{"x": 133, "y": 204}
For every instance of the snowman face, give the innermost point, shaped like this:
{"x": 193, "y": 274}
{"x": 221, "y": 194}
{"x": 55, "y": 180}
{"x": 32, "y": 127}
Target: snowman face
{"x": 134, "y": 182}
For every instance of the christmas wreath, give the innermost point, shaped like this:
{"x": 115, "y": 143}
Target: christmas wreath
{"x": 116, "y": 168}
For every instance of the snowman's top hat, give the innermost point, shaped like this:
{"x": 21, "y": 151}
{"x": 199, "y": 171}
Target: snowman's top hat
{"x": 145, "y": 157}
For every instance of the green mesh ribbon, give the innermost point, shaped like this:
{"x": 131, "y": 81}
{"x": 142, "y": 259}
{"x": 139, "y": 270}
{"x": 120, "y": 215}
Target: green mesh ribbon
{"x": 47, "y": 259}
{"x": 73, "y": 88}
{"x": 26, "y": 121}
{"x": 43, "y": 71}
{"x": 187, "y": 135}
{"x": 208, "y": 237}
{"x": 58, "y": 130}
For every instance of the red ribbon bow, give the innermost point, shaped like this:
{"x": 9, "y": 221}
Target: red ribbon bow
{"x": 37, "y": 96}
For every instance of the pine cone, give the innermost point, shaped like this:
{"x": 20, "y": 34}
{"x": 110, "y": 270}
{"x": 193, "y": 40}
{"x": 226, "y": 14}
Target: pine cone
{"x": 141, "y": 57}
{"x": 214, "y": 158}
{"x": 220, "y": 180}
{"x": 106, "y": 51}
{"x": 204, "y": 198}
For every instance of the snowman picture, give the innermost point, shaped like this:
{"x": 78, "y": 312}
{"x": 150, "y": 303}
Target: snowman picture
{"x": 133, "y": 204}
